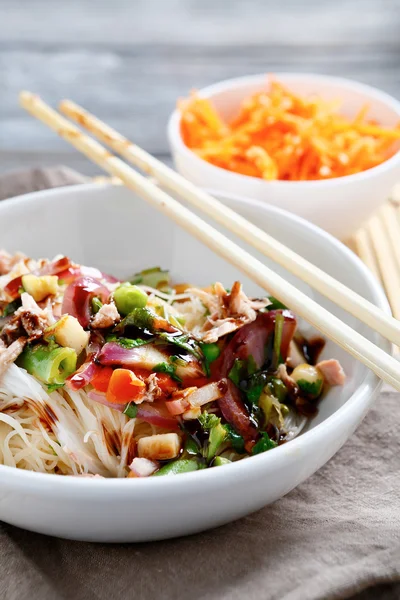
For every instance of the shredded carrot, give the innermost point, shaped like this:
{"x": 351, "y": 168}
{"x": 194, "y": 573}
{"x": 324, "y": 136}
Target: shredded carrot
{"x": 124, "y": 386}
{"x": 280, "y": 135}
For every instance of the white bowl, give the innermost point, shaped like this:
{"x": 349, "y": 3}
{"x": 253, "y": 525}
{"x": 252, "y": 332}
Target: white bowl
{"x": 109, "y": 227}
{"x": 337, "y": 205}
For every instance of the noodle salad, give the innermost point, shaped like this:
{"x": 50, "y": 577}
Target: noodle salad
{"x": 139, "y": 378}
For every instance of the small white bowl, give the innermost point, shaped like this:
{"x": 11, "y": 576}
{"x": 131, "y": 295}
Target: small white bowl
{"x": 109, "y": 227}
{"x": 337, "y": 205}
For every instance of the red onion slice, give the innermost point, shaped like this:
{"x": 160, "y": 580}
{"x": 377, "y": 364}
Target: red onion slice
{"x": 78, "y": 296}
{"x": 157, "y": 414}
{"x": 145, "y": 357}
{"x": 89, "y": 368}
{"x": 83, "y": 376}
{"x": 101, "y": 399}
{"x": 73, "y": 273}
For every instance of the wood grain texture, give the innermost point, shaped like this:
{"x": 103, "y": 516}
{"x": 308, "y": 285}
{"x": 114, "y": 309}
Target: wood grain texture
{"x": 128, "y": 61}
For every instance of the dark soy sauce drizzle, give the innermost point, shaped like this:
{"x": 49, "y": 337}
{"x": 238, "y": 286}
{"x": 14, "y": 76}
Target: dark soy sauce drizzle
{"x": 311, "y": 348}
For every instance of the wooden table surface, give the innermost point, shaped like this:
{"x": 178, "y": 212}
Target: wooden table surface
{"x": 128, "y": 60}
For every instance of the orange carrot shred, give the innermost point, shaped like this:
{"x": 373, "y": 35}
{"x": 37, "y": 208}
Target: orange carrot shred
{"x": 124, "y": 386}
{"x": 277, "y": 134}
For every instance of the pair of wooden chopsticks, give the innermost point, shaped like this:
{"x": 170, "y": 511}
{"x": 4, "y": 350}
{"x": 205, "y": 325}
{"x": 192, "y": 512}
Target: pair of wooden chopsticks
{"x": 385, "y": 366}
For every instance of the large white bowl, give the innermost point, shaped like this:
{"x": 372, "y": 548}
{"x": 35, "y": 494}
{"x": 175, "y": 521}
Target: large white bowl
{"x": 111, "y": 228}
{"x": 337, "y": 205}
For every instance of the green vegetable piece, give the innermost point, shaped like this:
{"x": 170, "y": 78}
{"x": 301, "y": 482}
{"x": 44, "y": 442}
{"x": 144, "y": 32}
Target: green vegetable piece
{"x": 271, "y": 408}
{"x": 128, "y": 342}
{"x": 219, "y": 461}
{"x": 142, "y": 318}
{"x": 275, "y": 304}
{"x": 264, "y": 444}
{"x": 147, "y": 320}
{"x": 182, "y": 465}
{"x": 284, "y": 410}
{"x": 235, "y": 439}
{"x": 211, "y": 352}
{"x": 311, "y": 389}
{"x": 243, "y": 370}
{"x": 177, "y": 322}
{"x": 251, "y": 366}
{"x": 169, "y": 369}
{"x": 277, "y": 388}
{"x": 96, "y": 305}
{"x": 53, "y": 387}
{"x": 218, "y": 435}
{"x": 276, "y": 357}
{"x": 238, "y": 372}
{"x": 11, "y": 308}
{"x": 49, "y": 363}
{"x": 309, "y": 379}
{"x": 255, "y": 386}
{"x": 191, "y": 447}
{"x": 131, "y": 410}
{"x": 182, "y": 340}
{"x": 179, "y": 319}
{"x": 127, "y": 297}
{"x": 155, "y": 278}
{"x": 208, "y": 420}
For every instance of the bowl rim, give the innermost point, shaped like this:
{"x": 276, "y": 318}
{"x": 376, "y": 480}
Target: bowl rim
{"x": 362, "y": 397}
{"x": 177, "y": 144}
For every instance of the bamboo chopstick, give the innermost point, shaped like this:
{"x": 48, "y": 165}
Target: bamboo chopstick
{"x": 390, "y": 220}
{"x": 250, "y": 233}
{"x": 385, "y": 366}
{"x": 363, "y": 248}
{"x": 387, "y": 264}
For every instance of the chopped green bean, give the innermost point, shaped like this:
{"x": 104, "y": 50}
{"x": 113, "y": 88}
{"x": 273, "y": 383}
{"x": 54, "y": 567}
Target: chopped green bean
{"x": 182, "y": 465}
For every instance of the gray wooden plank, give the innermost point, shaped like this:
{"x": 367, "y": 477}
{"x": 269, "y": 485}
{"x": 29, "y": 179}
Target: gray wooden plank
{"x": 136, "y": 92}
{"x": 128, "y": 61}
{"x": 194, "y": 22}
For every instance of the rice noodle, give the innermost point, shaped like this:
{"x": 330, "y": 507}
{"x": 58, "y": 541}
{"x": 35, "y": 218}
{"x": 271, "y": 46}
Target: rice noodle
{"x": 169, "y": 297}
{"x": 63, "y": 432}
{"x": 294, "y": 424}
{"x": 187, "y": 305}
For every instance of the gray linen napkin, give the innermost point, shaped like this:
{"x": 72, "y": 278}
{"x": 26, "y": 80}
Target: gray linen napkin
{"x": 335, "y": 536}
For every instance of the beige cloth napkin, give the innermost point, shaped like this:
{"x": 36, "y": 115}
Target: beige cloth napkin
{"x": 335, "y": 536}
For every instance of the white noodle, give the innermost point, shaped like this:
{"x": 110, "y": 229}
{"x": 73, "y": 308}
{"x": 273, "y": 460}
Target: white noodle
{"x": 172, "y": 297}
{"x": 75, "y": 442}
{"x": 294, "y": 424}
